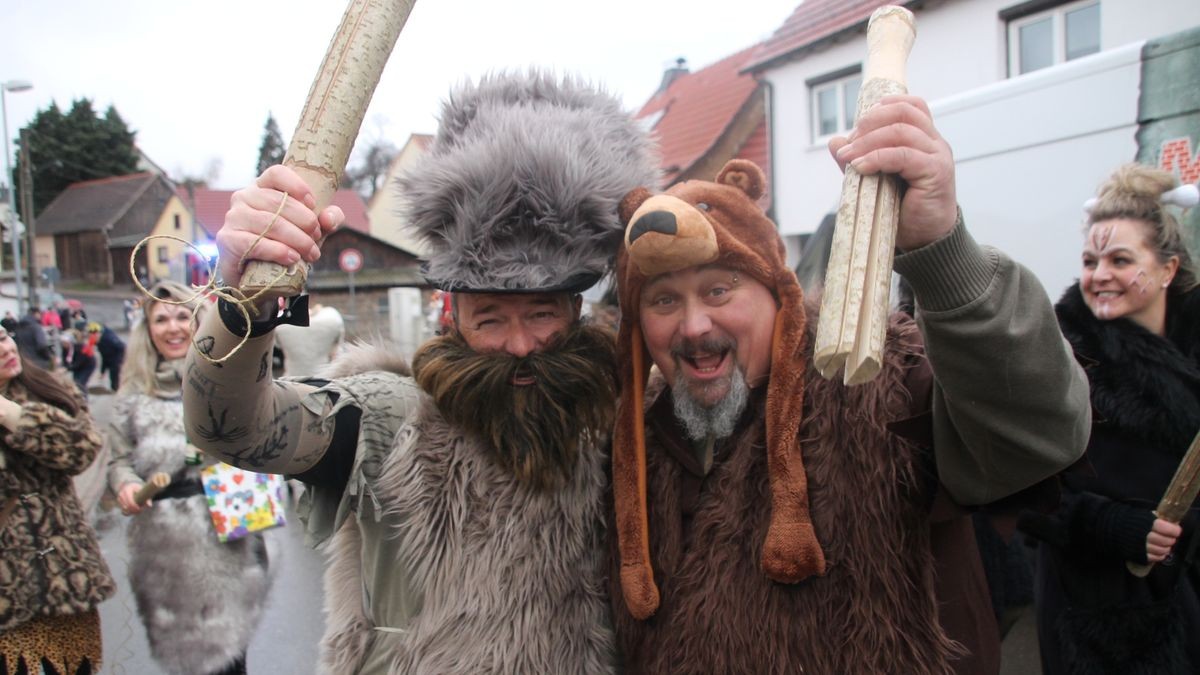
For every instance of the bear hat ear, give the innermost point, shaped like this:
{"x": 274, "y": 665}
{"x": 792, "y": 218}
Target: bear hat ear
{"x": 631, "y": 202}
{"x": 745, "y": 176}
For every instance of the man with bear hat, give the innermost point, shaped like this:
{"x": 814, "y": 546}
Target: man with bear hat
{"x": 769, "y": 521}
{"x": 462, "y": 505}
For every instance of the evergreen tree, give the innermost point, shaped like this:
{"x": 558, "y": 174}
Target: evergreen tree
{"x": 77, "y": 146}
{"x": 273, "y": 148}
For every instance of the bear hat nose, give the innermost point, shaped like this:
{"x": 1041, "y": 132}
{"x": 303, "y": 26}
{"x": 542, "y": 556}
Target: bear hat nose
{"x": 662, "y": 222}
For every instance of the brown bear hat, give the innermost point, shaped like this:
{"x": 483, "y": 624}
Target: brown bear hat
{"x": 697, "y": 223}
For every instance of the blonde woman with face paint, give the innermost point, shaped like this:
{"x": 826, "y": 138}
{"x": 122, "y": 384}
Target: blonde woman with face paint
{"x": 1133, "y": 321}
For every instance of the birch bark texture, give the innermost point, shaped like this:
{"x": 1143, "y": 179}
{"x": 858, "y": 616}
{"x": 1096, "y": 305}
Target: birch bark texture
{"x": 856, "y": 297}
{"x": 332, "y": 115}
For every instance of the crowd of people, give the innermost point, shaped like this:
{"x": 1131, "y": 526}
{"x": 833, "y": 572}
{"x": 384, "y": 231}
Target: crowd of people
{"x": 534, "y": 491}
{"x": 62, "y": 337}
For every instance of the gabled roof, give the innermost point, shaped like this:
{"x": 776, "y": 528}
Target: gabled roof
{"x": 696, "y": 109}
{"x": 120, "y": 205}
{"x": 814, "y": 21}
{"x": 210, "y": 207}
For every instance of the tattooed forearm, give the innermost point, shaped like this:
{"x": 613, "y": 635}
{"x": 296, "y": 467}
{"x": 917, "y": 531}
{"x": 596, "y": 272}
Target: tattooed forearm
{"x": 268, "y": 450}
{"x": 205, "y": 346}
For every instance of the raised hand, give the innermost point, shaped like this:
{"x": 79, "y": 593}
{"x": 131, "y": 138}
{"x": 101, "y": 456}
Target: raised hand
{"x": 295, "y": 235}
{"x": 897, "y": 136}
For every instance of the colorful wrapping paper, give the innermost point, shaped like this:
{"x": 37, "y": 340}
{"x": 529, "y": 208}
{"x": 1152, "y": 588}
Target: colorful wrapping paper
{"x": 241, "y": 501}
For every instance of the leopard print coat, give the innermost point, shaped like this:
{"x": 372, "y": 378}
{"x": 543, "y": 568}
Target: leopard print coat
{"x": 50, "y": 562}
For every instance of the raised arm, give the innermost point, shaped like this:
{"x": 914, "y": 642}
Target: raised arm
{"x": 234, "y": 410}
{"x": 1010, "y": 403}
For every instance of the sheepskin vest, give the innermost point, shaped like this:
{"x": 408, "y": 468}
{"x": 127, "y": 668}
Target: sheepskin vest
{"x": 874, "y": 611}
{"x": 497, "y": 577}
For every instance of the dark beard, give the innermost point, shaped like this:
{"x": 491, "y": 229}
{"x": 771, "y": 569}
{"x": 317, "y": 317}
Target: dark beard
{"x": 534, "y": 431}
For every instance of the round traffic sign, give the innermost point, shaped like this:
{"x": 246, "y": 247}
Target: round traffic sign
{"x": 350, "y": 260}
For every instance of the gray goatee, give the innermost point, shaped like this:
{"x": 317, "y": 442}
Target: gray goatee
{"x": 716, "y": 421}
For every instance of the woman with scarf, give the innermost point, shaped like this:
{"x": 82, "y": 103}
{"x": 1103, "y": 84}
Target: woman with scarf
{"x": 199, "y": 599}
{"x": 52, "y": 576}
{"x": 1133, "y": 321}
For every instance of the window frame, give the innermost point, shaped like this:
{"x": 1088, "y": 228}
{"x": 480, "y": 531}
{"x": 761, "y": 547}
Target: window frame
{"x": 1058, "y": 32}
{"x": 837, "y": 81}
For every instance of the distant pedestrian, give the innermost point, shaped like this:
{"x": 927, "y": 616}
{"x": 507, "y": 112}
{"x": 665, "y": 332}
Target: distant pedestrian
{"x": 112, "y": 354}
{"x": 51, "y": 319}
{"x": 129, "y": 309}
{"x": 308, "y": 348}
{"x": 83, "y": 356}
{"x": 32, "y": 341}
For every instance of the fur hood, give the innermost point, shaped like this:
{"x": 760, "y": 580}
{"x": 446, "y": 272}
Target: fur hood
{"x": 519, "y": 191}
{"x": 1142, "y": 385}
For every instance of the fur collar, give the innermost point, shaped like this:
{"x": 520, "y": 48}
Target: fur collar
{"x": 1142, "y": 384}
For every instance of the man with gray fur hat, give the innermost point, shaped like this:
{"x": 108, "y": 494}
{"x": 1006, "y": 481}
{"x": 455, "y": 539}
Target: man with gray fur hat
{"x": 461, "y": 505}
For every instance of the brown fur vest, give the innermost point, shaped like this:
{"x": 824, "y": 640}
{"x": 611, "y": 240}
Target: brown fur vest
{"x": 874, "y": 611}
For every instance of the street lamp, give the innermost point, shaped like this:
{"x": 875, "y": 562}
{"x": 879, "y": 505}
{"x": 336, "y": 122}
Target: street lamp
{"x": 5, "y": 87}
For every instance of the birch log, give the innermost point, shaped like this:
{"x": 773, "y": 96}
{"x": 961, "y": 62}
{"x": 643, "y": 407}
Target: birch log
{"x": 151, "y": 487}
{"x": 855, "y": 300}
{"x": 331, "y": 118}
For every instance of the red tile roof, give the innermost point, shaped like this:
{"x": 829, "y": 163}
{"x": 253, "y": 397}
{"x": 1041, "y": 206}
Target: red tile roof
{"x": 696, "y": 109}
{"x": 757, "y": 149}
{"x": 211, "y": 205}
{"x": 813, "y": 21}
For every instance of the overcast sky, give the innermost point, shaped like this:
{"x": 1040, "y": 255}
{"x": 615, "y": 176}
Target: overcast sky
{"x": 196, "y": 79}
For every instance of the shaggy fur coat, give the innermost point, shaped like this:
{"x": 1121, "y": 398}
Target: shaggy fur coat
{"x": 1093, "y": 616}
{"x": 876, "y": 608}
{"x": 503, "y": 579}
{"x": 200, "y": 600}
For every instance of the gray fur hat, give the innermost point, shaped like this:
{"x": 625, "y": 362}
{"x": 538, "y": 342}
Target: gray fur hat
{"x": 519, "y": 191}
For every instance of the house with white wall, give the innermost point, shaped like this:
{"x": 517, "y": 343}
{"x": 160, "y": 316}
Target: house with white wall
{"x": 387, "y": 205}
{"x": 1001, "y": 76}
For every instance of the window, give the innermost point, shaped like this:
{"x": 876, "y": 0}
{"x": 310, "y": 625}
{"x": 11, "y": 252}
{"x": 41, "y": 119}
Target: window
{"x": 177, "y": 222}
{"x": 834, "y": 103}
{"x": 1051, "y": 36}
{"x": 163, "y": 254}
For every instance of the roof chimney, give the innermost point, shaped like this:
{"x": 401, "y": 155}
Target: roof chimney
{"x": 672, "y": 74}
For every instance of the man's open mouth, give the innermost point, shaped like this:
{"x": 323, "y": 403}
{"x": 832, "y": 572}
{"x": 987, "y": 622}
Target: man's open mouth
{"x": 523, "y": 377}
{"x": 706, "y": 364}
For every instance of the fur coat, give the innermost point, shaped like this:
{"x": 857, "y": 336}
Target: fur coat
{"x": 199, "y": 599}
{"x": 874, "y": 611}
{"x": 50, "y": 562}
{"x": 495, "y": 577}
{"x": 1093, "y": 616}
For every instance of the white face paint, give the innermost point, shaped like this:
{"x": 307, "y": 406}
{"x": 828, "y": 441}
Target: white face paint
{"x": 1122, "y": 277}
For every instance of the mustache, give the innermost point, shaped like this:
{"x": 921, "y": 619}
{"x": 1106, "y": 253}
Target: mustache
{"x": 534, "y": 430}
{"x": 688, "y": 348}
